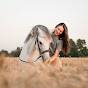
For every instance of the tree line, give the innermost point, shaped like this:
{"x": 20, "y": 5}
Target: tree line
{"x": 77, "y": 49}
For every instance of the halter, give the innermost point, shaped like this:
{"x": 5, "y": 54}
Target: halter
{"x": 41, "y": 53}
{"x": 40, "y": 50}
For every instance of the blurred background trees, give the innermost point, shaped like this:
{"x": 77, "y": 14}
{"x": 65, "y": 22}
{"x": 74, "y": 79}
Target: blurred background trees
{"x": 78, "y": 49}
{"x": 14, "y": 53}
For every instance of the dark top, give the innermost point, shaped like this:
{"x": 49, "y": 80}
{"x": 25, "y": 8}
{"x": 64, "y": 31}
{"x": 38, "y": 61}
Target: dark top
{"x": 56, "y": 44}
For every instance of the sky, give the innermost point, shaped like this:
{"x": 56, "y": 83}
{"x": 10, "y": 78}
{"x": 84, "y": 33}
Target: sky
{"x": 17, "y": 17}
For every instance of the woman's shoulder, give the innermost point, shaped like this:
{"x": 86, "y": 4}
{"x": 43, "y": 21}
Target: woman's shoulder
{"x": 60, "y": 38}
{"x": 52, "y": 35}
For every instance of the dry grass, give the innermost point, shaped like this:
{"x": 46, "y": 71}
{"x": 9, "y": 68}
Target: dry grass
{"x": 74, "y": 74}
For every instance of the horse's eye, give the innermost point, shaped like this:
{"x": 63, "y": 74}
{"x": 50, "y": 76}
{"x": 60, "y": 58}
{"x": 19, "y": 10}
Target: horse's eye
{"x": 35, "y": 42}
{"x": 40, "y": 42}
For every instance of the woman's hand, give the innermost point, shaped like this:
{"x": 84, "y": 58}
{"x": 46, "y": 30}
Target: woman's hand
{"x": 52, "y": 59}
{"x": 54, "y": 56}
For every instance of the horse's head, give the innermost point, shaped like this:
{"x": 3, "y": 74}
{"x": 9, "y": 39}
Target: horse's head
{"x": 42, "y": 40}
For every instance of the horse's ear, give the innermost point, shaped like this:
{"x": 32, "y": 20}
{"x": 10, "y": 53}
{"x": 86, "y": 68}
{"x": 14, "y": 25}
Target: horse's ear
{"x": 32, "y": 33}
{"x": 39, "y": 30}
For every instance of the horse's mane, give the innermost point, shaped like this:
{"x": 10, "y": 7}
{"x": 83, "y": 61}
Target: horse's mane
{"x": 35, "y": 32}
{"x": 27, "y": 38}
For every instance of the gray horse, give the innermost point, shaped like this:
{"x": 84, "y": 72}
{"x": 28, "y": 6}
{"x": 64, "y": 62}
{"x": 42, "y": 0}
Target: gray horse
{"x": 36, "y": 45}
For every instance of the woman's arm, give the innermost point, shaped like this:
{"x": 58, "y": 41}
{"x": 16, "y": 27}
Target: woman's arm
{"x": 58, "y": 49}
{"x": 54, "y": 56}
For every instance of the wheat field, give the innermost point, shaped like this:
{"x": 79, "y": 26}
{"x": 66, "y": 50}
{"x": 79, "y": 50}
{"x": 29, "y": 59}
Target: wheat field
{"x": 74, "y": 74}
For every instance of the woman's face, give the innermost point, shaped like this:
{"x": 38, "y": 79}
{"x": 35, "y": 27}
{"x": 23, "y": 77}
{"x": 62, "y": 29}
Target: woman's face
{"x": 59, "y": 30}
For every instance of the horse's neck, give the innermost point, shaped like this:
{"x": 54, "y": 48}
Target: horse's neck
{"x": 31, "y": 49}
{"x": 27, "y": 49}
{"x": 30, "y": 46}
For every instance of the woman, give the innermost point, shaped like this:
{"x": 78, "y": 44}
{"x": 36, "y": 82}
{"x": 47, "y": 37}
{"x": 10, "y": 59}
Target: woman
{"x": 60, "y": 42}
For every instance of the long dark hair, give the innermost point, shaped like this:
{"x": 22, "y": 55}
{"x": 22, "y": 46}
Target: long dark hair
{"x": 65, "y": 39}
